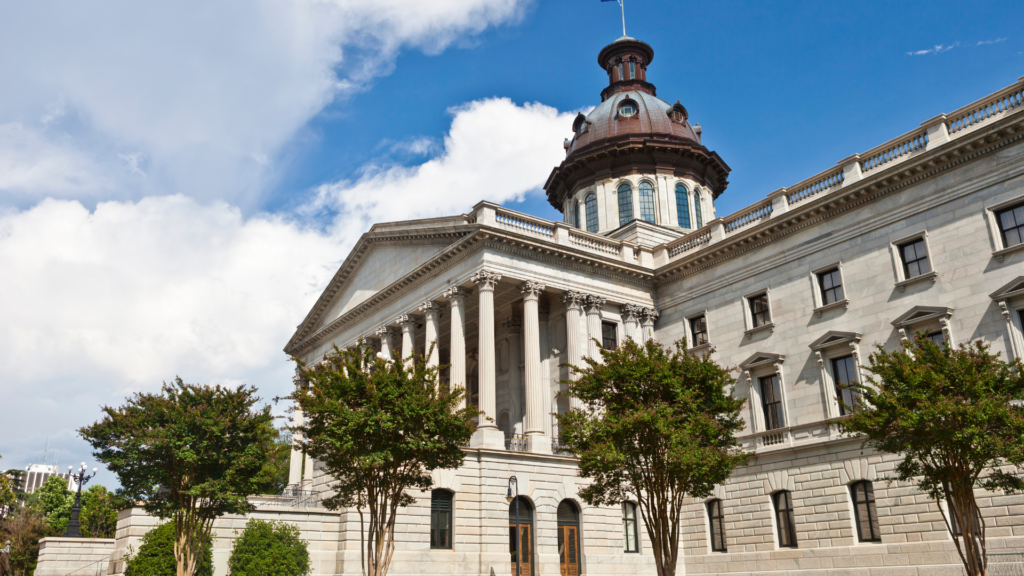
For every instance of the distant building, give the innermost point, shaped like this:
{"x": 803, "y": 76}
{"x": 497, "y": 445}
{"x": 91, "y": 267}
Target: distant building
{"x": 37, "y": 474}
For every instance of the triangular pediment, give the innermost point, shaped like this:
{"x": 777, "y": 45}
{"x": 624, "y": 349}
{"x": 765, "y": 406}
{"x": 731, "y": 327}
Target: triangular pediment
{"x": 1010, "y": 290}
{"x": 762, "y": 359}
{"x": 919, "y": 314}
{"x": 835, "y": 338}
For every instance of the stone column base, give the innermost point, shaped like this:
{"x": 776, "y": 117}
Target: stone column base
{"x": 538, "y": 444}
{"x": 488, "y": 438}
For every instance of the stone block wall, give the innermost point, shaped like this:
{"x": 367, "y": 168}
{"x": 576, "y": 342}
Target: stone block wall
{"x": 74, "y": 556}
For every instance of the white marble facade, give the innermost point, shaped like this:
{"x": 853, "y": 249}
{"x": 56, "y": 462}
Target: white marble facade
{"x": 509, "y": 298}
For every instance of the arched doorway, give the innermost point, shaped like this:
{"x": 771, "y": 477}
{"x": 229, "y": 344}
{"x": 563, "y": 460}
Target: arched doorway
{"x": 524, "y": 543}
{"x": 569, "y": 538}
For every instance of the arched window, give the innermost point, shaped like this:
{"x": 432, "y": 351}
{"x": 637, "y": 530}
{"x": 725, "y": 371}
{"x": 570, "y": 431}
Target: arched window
{"x": 523, "y": 545}
{"x": 629, "y": 533}
{"x": 682, "y": 206}
{"x": 441, "y": 520}
{"x": 569, "y": 537}
{"x": 717, "y": 521}
{"x": 864, "y": 512}
{"x": 576, "y": 214}
{"x": 625, "y": 204}
{"x": 784, "y": 519}
{"x": 696, "y": 208}
{"x": 591, "y": 204}
{"x": 647, "y": 202}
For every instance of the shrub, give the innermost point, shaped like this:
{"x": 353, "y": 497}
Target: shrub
{"x": 269, "y": 549}
{"x": 156, "y": 555}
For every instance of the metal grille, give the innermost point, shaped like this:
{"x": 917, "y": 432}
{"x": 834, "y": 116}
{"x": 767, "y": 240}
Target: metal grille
{"x": 515, "y": 443}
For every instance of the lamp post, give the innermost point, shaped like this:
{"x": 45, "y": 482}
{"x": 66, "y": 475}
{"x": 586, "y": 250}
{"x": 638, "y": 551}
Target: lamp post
{"x": 517, "y": 539}
{"x": 81, "y": 478}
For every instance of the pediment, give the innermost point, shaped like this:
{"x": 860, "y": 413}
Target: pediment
{"x": 919, "y": 314}
{"x": 835, "y": 338}
{"x": 762, "y": 359}
{"x": 1012, "y": 289}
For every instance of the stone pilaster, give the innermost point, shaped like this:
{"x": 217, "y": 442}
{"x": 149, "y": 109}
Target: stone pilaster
{"x": 487, "y": 434}
{"x": 647, "y": 318}
{"x": 386, "y": 334}
{"x": 432, "y": 327}
{"x": 631, "y": 321}
{"x": 457, "y": 300}
{"x": 538, "y": 441}
{"x": 573, "y": 331}
{"x": 593, "y": 306}
{"x": 408, "y": 324}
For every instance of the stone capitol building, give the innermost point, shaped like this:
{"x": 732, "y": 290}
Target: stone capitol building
{"x": 921, "y": 233}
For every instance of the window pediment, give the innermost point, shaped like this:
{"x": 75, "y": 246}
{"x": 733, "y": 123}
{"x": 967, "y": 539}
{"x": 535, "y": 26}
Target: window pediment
{"x": 762, "y": 359}
{"x": 920, "y": 314}
{"x": 1013, "y": 289}
{"x": 835, "y": 338}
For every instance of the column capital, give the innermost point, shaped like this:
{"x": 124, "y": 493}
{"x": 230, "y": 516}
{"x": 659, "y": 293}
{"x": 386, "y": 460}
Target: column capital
{"x": 594, "y": 304}
{"x": 430, "y": 307}
{"x": 406, "y": 319}
{"x": 572, "y": 298}
{"x": 532, "y": 290}
{"x": 457, "y": 293}
{"x": 513, "y": 325}
{"x": 630, "y": 311}
{"x": 485, "y": 280}
{"x": 649, "y": 315}
{"x": 385, "y": 332}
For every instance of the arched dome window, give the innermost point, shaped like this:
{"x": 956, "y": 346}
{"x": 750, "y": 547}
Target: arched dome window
{"x": 696, "y": 208}
{"x": 591, "y": 205}
{"x": 682, "y": 206}
{"x": 647, "y": 202}
{"x": 625, "y": 204}
{"x": 576, "y": 214}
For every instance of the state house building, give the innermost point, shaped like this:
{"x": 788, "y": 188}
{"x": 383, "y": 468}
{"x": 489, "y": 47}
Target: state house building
{"x": 921, "y": 233}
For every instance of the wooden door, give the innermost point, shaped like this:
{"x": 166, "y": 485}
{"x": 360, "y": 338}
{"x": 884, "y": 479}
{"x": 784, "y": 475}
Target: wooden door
{"x": 568, "y": 550}
{"x": 524, "y": 544}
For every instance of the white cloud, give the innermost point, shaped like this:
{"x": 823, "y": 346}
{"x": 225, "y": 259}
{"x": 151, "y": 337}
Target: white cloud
{"x": 937, "y": 49}
{"x": 984, "y": 42}
{"x": 104, "y": 302}
{"x": 208, "y": 93}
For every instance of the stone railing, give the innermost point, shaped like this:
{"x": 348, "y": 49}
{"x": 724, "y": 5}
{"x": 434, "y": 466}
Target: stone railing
{"x": 815, "y": 184}
{"x": 748, "y": 215}
{"x": 523, "y": 223}
{"x": 894, "y": 150}
{"x": 1006, "y": 100}
{"x": 594, "y": 242}
{"x": 689, "y": 242}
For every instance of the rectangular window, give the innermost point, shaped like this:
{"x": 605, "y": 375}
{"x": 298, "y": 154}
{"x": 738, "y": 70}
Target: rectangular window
{"x": 621, "y": 76}
{"x": 938, "y": 337}
{"x": 632, "y": 70}
{"x": 717, "y": 521}
{"x": 864, "y": 512}
{"x": 954, "y": 526}
{"x": 441, "y": 520}
{"x": 1011, "y": 225}
{"x": 771, "y": 399}
{"x": 609, "y": 338}
{"x": 915, "y": 258}
{"x": 844, "y": 372}
{"x": 831, "y": 287}
{"x": 784, "y": 519}
{"x": 629, "y": 527}
{"x": 759, "y": 314}
{"x": 699, "y": 330}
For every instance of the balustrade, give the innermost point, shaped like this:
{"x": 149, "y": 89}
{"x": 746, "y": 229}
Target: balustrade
{"x": 749, "y": 216}
{"x": 894, "y": 150}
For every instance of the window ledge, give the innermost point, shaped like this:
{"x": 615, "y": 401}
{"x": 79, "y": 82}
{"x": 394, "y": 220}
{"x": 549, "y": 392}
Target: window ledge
{"x": 769, "y": 327}
{"x": 700, "y": 349}
{"x": 1000, "y": 254}
{"x": 844, "y": 303}
{"x": 933, "y": 276}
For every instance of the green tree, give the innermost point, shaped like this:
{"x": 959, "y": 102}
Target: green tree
{"x": 156, "y": 555}
{"x": 654, "y": 425}
{"x": 55, "y": 501}
{"x": 279, "y": 462}
{"x": 190, "y": 454}
{"x": 379, "y": 427}
{"x": 269, "y": 549}
{"x": 949, "y": 413}
{"x": 98, "y": 517}
{"x": 8, "y": 494}
{"x": 24, "y": 528}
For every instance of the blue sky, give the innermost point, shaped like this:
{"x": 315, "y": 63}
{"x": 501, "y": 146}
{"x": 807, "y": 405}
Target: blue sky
{"x": 179, "y": 181}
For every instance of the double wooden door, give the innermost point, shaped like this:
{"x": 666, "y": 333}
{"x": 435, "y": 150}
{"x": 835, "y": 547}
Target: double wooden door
{"x": 523, "y": 545}
{"x": 569, "y": 550}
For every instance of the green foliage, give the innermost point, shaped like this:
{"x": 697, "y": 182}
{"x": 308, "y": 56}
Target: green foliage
{"x": 7, "y": 491}
{"x": 279, "y": 462}
{"x": 655, "y": 426}
{"x": 379, "y": 428}
{"x": 24, "y": 528}
{"x": 269, "y": 549}
{"x": 190, "y": 453}
{"x": 98, "y": 517}
{"x": 949, "y": 413}
{"x": 156, "y": 555}
{"x": 55, "y": 501}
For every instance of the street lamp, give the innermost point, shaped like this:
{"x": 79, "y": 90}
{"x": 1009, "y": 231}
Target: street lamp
{"x": 81, "y": 478}
{"x": 517, "y": 539}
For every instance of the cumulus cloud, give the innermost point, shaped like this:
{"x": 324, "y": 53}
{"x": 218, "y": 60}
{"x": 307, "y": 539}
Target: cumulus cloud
{"x": 208, "y": 93}
{"x": 120, "y": 297}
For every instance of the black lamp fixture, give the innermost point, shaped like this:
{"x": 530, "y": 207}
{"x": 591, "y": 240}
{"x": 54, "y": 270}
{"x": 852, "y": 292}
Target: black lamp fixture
{"x": 517, "y": 540}
{"x": 81, "y": 478}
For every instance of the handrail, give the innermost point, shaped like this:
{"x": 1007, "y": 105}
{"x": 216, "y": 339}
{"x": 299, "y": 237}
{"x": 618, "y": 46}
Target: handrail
{"x": 982, "y": 110}
{"x": 894, "y": 149}
{"x": 748, "y": 216}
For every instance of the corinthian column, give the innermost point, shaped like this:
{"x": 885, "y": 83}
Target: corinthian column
{"x": 408, "y": 324}
{"x": 386, "y": 335}
{"x": 593, "y": 305}
{"x": 295, "y": 463}
{"x": 647, "y": 318}
{"x": 573, "y": 334}
{"x": 630, "y": 314}
{"x": 536, "y": 438}
{"x": 487, "y": 433}
{"x": 457, "y": 299}
{"x": 432, "y": 312}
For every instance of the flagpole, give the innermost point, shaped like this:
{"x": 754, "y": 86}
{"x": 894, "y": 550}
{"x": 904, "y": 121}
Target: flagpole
{"x": 623, "y": 8}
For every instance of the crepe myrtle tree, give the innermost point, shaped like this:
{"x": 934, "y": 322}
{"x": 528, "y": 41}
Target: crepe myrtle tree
{"x": 653, "y": 424}
{"x": 953, "y": 416}
{"x": 379, "y": 426}
{"x": 190, "y": 454}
